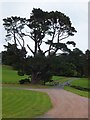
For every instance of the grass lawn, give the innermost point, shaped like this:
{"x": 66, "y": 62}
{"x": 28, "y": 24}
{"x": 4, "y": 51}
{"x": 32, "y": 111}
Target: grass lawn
{"x": 26, "y": 86}
{"x": 0, "y": 74}
{"x": 0, "y": 103}
{"x": 82, "y": 82}
{"x": 10, "y": 76}
{"x": 79, "y": 92}
{"x": 24, "y": 103}
{"x": 60, "y": 79}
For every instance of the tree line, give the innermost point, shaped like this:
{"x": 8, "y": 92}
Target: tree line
{"x": 74, "y": 64}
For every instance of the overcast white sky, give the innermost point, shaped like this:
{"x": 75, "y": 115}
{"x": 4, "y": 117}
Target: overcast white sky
{"x": 76, "y": 10}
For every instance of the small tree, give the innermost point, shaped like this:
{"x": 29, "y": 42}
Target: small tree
{"x": 13, "y": 56}
{"x": 41, "y": 25}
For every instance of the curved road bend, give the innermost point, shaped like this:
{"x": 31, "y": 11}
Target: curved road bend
{"x": 65, "y": 104}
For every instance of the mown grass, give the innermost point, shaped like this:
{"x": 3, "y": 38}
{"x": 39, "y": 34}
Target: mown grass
{"x": 79, "y": 92}
{"x": 0, "y": 103}
{"x": 10, "y": 76}
{"x": 82, "y": 82}
{"x": 0, "y": 74}
{"x": 18, "y": 103}
{"x": 58, "y": 79}
{"x": 24, "y": 103}
{"x": 26, "y": 86}
{"x": 61, "y": 79}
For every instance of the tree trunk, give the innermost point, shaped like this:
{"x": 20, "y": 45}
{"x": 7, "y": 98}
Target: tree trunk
{"x": 44, "y": 82}
{"x": 35, "y": 51}
{"x": 34, "y": 79}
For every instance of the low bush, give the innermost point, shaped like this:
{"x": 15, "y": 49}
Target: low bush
{"x": 80, "y": 88}
{"x": 22, "y": 81}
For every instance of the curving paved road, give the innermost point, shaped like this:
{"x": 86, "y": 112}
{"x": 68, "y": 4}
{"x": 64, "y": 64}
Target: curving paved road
{"x": 65, "y": 104}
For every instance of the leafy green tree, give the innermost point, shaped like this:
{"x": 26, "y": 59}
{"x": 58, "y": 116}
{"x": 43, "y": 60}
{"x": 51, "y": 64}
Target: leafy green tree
{"x": 41, "y": 25}
{"x": 87, "y": 63}
{"x": 53, "y": 25}
{"x": 79, "y": 58}
{"x": 73, "y": 64}
{"x": 14, "y": 26}
{"x": 62, "y": 66}
{"x": 13, "y": 56}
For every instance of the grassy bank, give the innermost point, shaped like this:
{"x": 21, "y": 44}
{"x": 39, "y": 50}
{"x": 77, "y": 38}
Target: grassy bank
{"x": 24, "y": 103}
{"x": 79, "y": 92}
{"x": 61, "y": 79}
{"x": 10, "y": 76}
{"x": 82, "y": 82}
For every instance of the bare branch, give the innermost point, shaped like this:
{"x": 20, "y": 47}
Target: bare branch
{"x": 48, "y": 50}
{"x": 52, "y": 39}
{"x": 29, "y": 36}
{"x": 17, "y": 40}
{"x": 64, "y": 38}
{"x": 30, "y": 49}
{"x": 21, "y": 39}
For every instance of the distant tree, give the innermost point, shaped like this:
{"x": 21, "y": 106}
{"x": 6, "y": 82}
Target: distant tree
{"x": 62, "y": 66}
{"x": 76, "y": 63}
{"x": 13, "y": 56}
{"x": 87, "y": 68}
{"x": 14, "y": 26}
{"x": 55, "y": 26}
{"x": 78, "y": 58}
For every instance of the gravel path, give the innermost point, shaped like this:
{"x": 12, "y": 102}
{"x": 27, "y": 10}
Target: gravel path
{"x": 65, "y": 104}
{"x": 67, "y": 83}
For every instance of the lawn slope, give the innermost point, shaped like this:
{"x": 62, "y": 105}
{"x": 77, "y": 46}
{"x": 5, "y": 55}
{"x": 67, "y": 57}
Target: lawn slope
{"x": 10, "y": 76}
{"x": 82, "y": 82}
{"x": 24, "y": 103}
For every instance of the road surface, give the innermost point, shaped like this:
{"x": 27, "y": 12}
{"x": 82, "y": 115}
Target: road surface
{"x": 65, "y": 104}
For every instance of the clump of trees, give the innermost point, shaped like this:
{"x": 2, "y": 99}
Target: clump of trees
{"x": 42, "y": 28}
{"x": 76, "y": 63}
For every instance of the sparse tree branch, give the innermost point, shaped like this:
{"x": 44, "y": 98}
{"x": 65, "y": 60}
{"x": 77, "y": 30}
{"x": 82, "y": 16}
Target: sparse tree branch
{"x": 48, "y": 50}
{"x": 17, "y": 40}
{"x": 28, "y": 36}
{"x": 30, "y": 49}
{"x": 64, "y": 38}
{"x": 21, "y": 39}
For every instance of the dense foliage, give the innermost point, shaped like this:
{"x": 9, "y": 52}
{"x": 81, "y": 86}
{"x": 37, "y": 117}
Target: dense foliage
{"x": 73, "y": 64}
{"x": 42, "y": 28}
